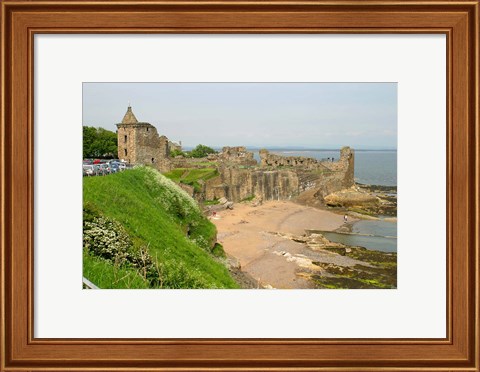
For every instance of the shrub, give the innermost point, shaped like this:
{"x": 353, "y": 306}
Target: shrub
{"x": 161, "y": 218}
{"x": 218, "y": 250}
{"x": 201, "y": 151}
{"x": 106, "y": 238}
{"x": 174, "y": 153}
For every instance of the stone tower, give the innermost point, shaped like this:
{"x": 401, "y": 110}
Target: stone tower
{"x": 347, "y": 159}
{"x": 139, "y": 143}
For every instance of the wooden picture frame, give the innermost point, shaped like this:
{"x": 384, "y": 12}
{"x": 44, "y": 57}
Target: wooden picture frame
{"x": 458, "y": 20}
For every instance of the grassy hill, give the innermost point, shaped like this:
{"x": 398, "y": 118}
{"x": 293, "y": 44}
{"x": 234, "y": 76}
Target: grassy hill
{"x": 142, "y": 231}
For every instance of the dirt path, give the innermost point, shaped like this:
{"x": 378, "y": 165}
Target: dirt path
{"x": 249, "y": 234}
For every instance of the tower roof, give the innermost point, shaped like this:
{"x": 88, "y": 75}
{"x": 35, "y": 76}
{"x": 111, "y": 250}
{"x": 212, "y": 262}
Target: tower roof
{"x": 129, "y": 117}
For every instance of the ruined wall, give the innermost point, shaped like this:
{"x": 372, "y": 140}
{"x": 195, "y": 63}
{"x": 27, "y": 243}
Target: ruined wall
{"x": 126, "y": 143}
{"x": 341, "y": 174}
{"x": 143, "y": 145}
{"x": 229, "y": 156}
{"x": 271, "y": 160}
{"x": 347, "y": 156}
{"x": 237, "y": 184}
{"x": 174, "y": 145}
{"x": 150, "y": 146}
{"x": 237, "y": 155}
{"x": 276, "y": 183}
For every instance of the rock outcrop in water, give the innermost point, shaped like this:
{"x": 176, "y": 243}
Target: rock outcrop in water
{"x": 365, "y": 200}
{"x": 351, "y": 198}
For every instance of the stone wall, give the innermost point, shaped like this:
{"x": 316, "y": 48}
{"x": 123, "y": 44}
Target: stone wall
{"x": 279, "y": 183}
{"x": 229, "y": 156}
{"x": 174, "y": 146}
{"x": 140, "y": 143}
{"x": 126, "y": 143}
{"x": 237, "y": 155}
{"x": 337, "y": 175}
{"x": 237, "y": 184}
{"x": 272, "y": 160}
{"x": 182, "y": 162}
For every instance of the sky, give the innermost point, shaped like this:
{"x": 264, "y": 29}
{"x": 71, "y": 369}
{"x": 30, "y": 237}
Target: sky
{"x": 293, "y": 115}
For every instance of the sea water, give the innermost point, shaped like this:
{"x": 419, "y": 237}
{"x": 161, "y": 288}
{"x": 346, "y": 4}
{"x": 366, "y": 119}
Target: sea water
{"x": 376, "y": 243}
{"x": 378, "y": 235}
{"x": 372, "y": 167}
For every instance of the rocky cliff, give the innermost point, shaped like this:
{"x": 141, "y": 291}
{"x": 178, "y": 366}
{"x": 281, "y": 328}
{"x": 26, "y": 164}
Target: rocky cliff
{"x": 279, "y": 178}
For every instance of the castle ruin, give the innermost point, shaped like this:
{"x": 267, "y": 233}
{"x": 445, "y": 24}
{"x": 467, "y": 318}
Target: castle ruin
{"x": 240, "y": 176}
{"x": 140, "y": 143}
{"x": 277, "y": 177}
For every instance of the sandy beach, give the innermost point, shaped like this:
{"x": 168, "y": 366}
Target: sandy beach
{"x": 253, "y": 235}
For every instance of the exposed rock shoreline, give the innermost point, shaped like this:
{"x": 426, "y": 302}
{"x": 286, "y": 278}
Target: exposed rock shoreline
{"x": 345, "y": 266}
{"x": 275, "y": 249}
{"x": 365, "y": 201}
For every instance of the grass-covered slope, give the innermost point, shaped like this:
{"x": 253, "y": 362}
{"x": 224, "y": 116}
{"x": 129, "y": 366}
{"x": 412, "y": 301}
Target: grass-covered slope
{"x": 192, "y": 176}
{"x": 107, "y": 275}
{"x": 158, "y": 217}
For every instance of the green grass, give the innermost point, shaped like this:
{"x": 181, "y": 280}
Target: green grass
{"x": 192, "y": 176}
{"x": 105, "y": 275}
{"x": 200, "y": 174}
{"x": 176, "y": 174}
{"x": 218, "y": 250}
{"x": 157, "y": 214}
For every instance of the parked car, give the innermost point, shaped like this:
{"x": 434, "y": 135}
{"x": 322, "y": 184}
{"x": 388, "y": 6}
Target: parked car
{"x": 119, "y": 165}
{"x": 115, "y": 167}
{"x": 97, "y": 169}
{"x": 89, "y": 170}
{"x": 104, "y": 168}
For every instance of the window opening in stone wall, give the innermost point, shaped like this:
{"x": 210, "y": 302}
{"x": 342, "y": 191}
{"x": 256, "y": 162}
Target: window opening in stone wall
{"x": 125, "y": 139}
{"x": 125, "y": 150}
{"x": 147, "y": 129}
{"x": 153, "y": 160}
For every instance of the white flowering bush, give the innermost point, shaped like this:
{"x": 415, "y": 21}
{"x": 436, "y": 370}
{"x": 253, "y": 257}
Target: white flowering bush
{"x": 107, "y": 239}
{"x": 183, "y": 207}
{"x": 174, "y": 199}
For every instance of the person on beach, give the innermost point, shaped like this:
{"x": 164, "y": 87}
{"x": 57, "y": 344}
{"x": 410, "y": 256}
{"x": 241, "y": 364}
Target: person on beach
{"x": 345, "y": 219}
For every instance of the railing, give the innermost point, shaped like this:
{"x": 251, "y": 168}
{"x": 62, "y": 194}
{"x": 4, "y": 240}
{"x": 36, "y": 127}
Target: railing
{"x": 87, "y": 284}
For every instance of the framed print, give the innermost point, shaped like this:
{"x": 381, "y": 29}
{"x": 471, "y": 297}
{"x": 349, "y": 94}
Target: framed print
{"x": 238, "y": 202}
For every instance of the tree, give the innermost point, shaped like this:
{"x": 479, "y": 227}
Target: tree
{"x": 99, "y": 143}
{"x": 201, "y": 151}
